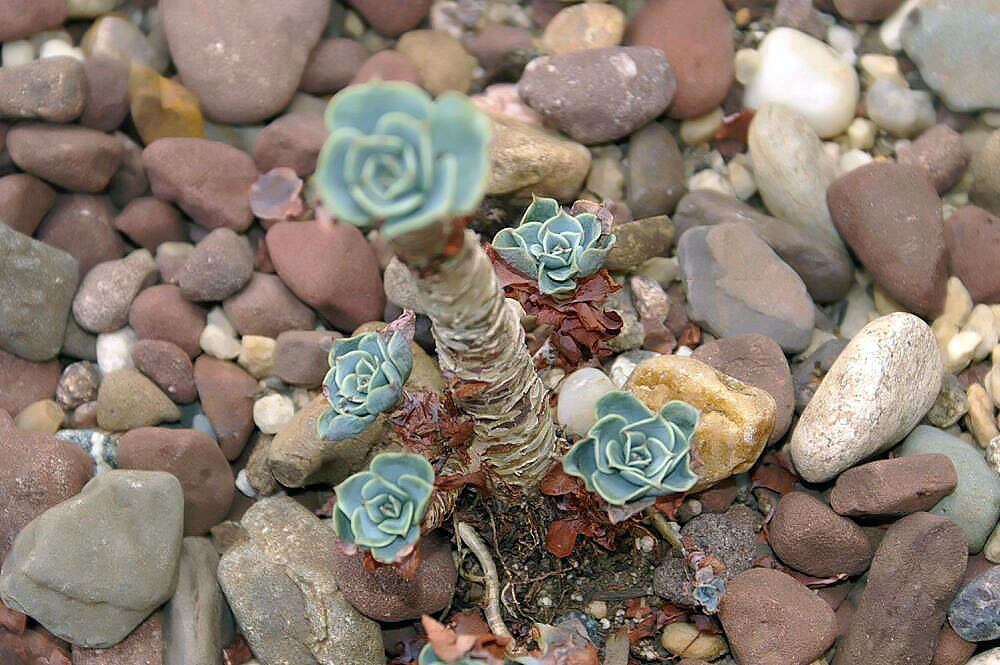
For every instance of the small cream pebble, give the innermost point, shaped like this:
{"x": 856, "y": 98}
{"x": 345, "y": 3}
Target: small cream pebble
{"x": 114, "y": 349}
{"x": 861, "y": 133}
{"x": 981, "y": 321}
{"x": 884, "y": 303}
{"x": 686, "y": 641}
{"x": 746, "y": 64}
{"x": 578, "y": 394}
{"x": 701, "y": 129}
{"x": 960, "y": 349}
{"x": 40, "y": 38}
{"x": 218, "y": 338}
{"x": 832, "y": 148}
{"x": 852, "y": 159}
{"x": 272, "y": 412}
{"x": 43, "y": 416}
{"x": 244, "y": 486}
{"x": 663, "y": 270}
{"x": 891, "y": 31}
{"x": 56, "y": 48}
{"x": 875, "y": 66}
{"x": 843, "y": 41}
{"x": 15, "y": 53}
{"x": 257, "y": 355}
{"x": 943, "y": 330}
{"x": 597, "y": 609}
{"x": 980, "y": 419}
{"x": 957, "y": 302}
{"x": 742, "y": 180}
{"x": 711, "y": 180}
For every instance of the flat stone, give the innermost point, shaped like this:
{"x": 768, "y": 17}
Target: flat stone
{"x": 808, "y": 536}
{"x": 825, "y": 269}
{"x": 195, "y": 459}
{"x": 127, "y": 400}
{"x": 227, "y": 394}
{"x": 526, "y": 159}
{"x": 975, "y": 612}
{"x": 52, "y": 89}
{"x": 894, "y": 486}
{"x": 737, "y": 285}
{"x": 24, "y": 200}
{"x": 81, "y": 225}
{"x": 758, "y": 361}
{"x": 599, "y": 95}
{"x": 102, "y": 302}
{"x": 877, "y": 390}
{"x": 39, "y": 283}
{"x": 300, "y": 356}
{"x": 76, "y": 158}
{"x": 916, "y": 572}
{"x": 736, "y": 418}
{"x": 772, "y": 619}
{"x": 890, "y": 215}
{"x": 107, "y": 92}
{"x": 975, "y": 503}
{"x": 220, "y": 265}
{"x": 972, "y": 236}
{"x": 944, "y": 38}
{"x": 197, "y": 623}
{"x": 208, "y": 180}
{"x": 282, "y": 588}
{"x": 265, "y": 306}
{"x": 243, "y": 62}
{"x": 639, "y": 240}
{"x": 62, "y": 573}
{"x": 654, "y": 179}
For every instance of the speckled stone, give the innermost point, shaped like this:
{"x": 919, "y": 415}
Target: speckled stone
{"x": 894, "y": 486}
{"x": 73, "y": 157}
{"x": 52, "y": 89}
{"x": 161, "y": 312}
{"x": 265, "y": 306}
{"x": 24, "y": 200}
{"x": 220, "y": 265}
{"x": 102, "y": 302}
{"x": 81, "y": 225}
{"x": 975, "y": 612}
{"x": 23, "y": 381}
{"x": 227, "y": 394}
{"x": 808, "y": 536}
{"x": 127, "y": 399}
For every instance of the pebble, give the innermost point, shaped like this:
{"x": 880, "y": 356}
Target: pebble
{"x": 220, "y": 265}
{"x": 972, "y": 236}
{"x": 807, "y": 77}
{"x": 736, "y": 421}
{"x": 294, "y": 141}
{"x": 162, "y": 107}
{"x": 808, "y": 536}
{"x": 150, "y": 222}
{"x": 17, "y": 52}
{"x": 208, "y": 180}
{"x": 330, "y": 267}
{"x": 388, "y": 65}
{"x": 78, "y": 343}
{"x": 899, "y": 110}
{"x": 266, "y": 307}
{"x": 684, "y": 639}
{"x": 974, "y": 612}
{"x": 168, "y": 366}
{"x": 712, "y": 181}
{"x": 392, "y": 17}
{"x": 78, "y": 384}
{"x": 606, "y": 178}
{"x": 599, "y": 95}
{"x": 991, "y": 657}
{"x": 758, "y": 361}
{"x": 25, "y": 200}
{"x": 975, "y": 503}
{"x": 76, "y": 158}
{"x": 578, "y": 395}
{"x": 44, "y": 416}
{"x": 952, "y": 649}
{"x": 57, "y": 48}
{"x": 985, "y": 190}
{"x": 890, "y": 215}
{"x": 441, "y": 61}
{"x": 581, "y": 27}
{"x": 826, "y": 270}
{"x": 197, "y": 623}
{"x": 242, "y": 63}
{"x": 385, "y": 596}
{"x": 272, "y": 412}
{"x": 654, "y": 178}
{"x": 895, "y": 486}
{"x": 879, "y": 387}
{"x": 227, "y": 396}
{"x": 869, "y": 11}
{"x": 940, "y": 152}
{"x": 61, "y": 572}
{"x": 114, "y": 350}
{"x": 102, "y": 302}
{"x": 944, "y": 38}
{"x": 526, "y": 159}
{"x": 161, "y": 312}
{"x": 793, "y": 171}
{"x": 23, "y": 18}
{"x": 107, "y": 93}
{"x": 300, "y": 356}
{"x": 769, "y": 617}
{"x": 130, "y": 181}
{"x": 915, "y": 573}
{"x": 54, "y": 89}
{"x": 127, "y": 399}
{"x": 90, "y": 8}
{"x": 698, "y": 41}
{"x": 23, "y": 382}
{"x": 31, "y": 484}
{"x": 81, "y": 225}
{"x": 800, "y": 15}
{"x": 218, "y": 338}
{"x": 38, "y": 286}
{"x": 284, "y": 593}
{"x": 737, "y": 285}
{"x": 119, "y": 38}
{"x": 332, "y": 65}
{"x": 257, "y": 355}
{"x": 638, "y": 241}
{"x": 195, "y": 460}
{"x": 143, "y": 645}
{"x": 951, "y": 403}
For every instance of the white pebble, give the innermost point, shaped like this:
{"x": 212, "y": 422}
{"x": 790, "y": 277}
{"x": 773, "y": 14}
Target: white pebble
{"x": 201, "y": 423}
{"x": 982, "y": 322}
{"x": 701, "y": 129}
{"x": 711, "y": 180}
{"x": 578, "y": 394}
{"x": 684, "y": 351}
{"x": 960, "y": 349}
{"x": 272, "y": 412}
{"x": 891, "y": 32}
{"x": 746, "y": 63}
{"x": 218, "y": 338}
{"x": 244, "y": 486}
{"x": 852, "y": 159}
{"x": 39, "y": 38}
{"x": 597, "y": 609}
{"x": 56, "y": 48}
{"x": 15, "y": 53}
{"x": 875, "y": 66}
{"x": 843, "y": 41}
{"x": 741, "y": 179}
{"x": 899, "y": 110}
{"x": 861, "y": 133}
{"x": 645, "y": 544}
{"x": 114, "y": 349}
{"x": 957, "y": 302}
{"x": 663, "y": 270}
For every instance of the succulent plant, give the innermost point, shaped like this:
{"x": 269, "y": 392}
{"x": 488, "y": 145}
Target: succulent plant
{"x": 395, "y": 156}
{"x": 554, "y": 247}
{"x": 366, "y": 377}
{"x": 380, "y": 510}
{"x": 709, "y": 594}
{"x": 632, "y": 453}
{"x": 428, "y": 657}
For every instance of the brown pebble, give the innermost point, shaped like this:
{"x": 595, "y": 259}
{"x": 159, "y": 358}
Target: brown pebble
{"x": 896, "y": 486}
{"x": 168, "y": 366}
{"x": 332, "y": 65}
{"x": 161, "y": 312}
{"x": 973, "y": 238}
{"x": 149, "y": 222}
{"x": 941, "y": 153}
{"x": 83, "y": 416}
{"x": 265, "y": 306}
{"x": 227, "y": 395}
{"x": 23, "y": 381}
{"x": 808, "y": 536}
{"x": 143, "y": 646}
{"x": 23, "y": 18}
{"x": 952, "y": 649}
{"x": 24, "y": 200}
{"x": 392, "y": 17}
{"x": 78, "y": 384}
{"x": 73, "y": 157}
{"x": 388, "y": 65}
{"x": 107, "y": 93}
{"x": 293, "y": 140}
{"x": 300, "y": 356}
{"x": 81, "y": 226}
{"x": 219, "y": 266}
{"x": 127, "y": 399}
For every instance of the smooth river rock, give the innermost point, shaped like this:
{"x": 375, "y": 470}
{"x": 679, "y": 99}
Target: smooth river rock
{"x": 878, "y": 389}
{"x": 975, "y": 612}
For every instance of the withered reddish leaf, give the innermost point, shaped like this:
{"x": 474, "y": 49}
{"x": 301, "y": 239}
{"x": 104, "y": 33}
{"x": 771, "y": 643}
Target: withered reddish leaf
{"x": 371, "y": 565}
{"x": 477, "y": 479}
{"x": 408, "y": 567}
{"x": 560, "y": 539}
{"x": 466, "y": 389}
{"x": 469, "y": 622}
{"x": 691, "y": 337}
{"x": 12, "y": 620}
{"x": 447, "y": 644}
{"x": 669, "y": 505}
{"x": 637, "y": 607}
{"x": 735, "y": 126}
{"x": 237, "y": 652}
{"x": 557, "y": 482}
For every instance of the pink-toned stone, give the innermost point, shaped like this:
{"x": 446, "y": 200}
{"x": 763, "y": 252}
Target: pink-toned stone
{"x": 168, "y": 366}
{"x": 149, "y": 222}
{"x": 392, "y": 17}
{"x": 161, "y": 312}
{"x": 332, "y": 65}
{"x": 24, "y": 201}
{"x": 23, "y": 381}
{"x": 293, "y": 140}
{"x": 227, "y": 396}
{"x": 143, "y": 646}
{"x": 73, "y": 157}
{"x": 973, "y": 238}
{"x": 81, "y": 226}
{"x": 388, "y": 65}
{"x": 266, "y": 307}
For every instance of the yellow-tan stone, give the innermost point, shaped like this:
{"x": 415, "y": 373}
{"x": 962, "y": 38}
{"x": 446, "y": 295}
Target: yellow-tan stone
{"x": 161, "y": 107}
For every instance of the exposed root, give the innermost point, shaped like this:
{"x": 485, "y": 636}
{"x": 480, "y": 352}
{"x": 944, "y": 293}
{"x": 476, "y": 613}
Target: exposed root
{"x": 492, "y": 581}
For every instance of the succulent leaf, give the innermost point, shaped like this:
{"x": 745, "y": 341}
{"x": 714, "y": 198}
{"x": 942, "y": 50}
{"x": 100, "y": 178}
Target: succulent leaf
{"x": 632, "y": 453}
{"x": 428, "y": 657}
{"x": 380, "y": 510}
{"x": 398, "y": 158}
{"x": 366, "y": 377}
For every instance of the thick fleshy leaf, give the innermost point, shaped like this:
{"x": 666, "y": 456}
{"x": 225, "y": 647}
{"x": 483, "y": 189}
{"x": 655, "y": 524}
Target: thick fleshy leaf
{"x": 344, "y": 345}
{"x": 460, "y": 130}
{"x": 419, "y": 491}
{"x": 361, "y": 106}
{"x": 349, "y": 497}
{"x": 548, "y": 285}
{"x": 552, "y": 263}
{"x": 622, "y": 404}
{"x": 437, "y": 204}
{"x": 393, "y": 466}
{"x": 615, "y": 489}
{"x": 366, "y": 531}
{"x": 329, "y": 178}
{"x": 661, "y": 459}
{"x": 615, "y": 454}
{"x": 561, "y": 223}
{"x": 371, "y": 343}
{"x": 382, "y": 507}
{"x": 398, "y": 526}
{"x": 656, "y": 429}
{"x": 561, "y": 274}
{"x": 681, "y": 414}
{"x": 363, "y": 148}
{"x": 590, "y": 261}
{"x": 347, "y": 364}
{"x": 591, "y": 229}
{"x": 518, "y": 258}
{"x": 382, "y": 399}
{"x": 540, "y": 210}
{"x": 342, "y": 527}
{"x": 377, "y": 485}
{"x": 336, "y": 427}
{"x": 370, "y": 202}
{"x": 682, "y": 478}
{"x": 581, "y": 459}
{"x": 415, "y": 133}
{"x": 401, "y": 355}
{"x": 391, "y": 552}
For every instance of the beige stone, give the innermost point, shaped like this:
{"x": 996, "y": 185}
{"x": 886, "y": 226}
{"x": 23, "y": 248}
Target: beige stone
{"x": 736, "y": 418}
{"x": 42, "y": 416}
{"x": 257, "y": 355}
{"x": 980, "y": 416}
{"x": 579, "y": 27}
{"x": 442, "y": 61}
{"x": 127, "y": 399}
{"x": 686, "y": 641}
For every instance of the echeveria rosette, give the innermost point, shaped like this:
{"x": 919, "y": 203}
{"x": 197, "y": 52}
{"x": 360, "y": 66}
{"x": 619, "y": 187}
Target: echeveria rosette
{"x": 366, "y": 377}
{"x": 428, "y": 657}
{"x": 380, "y": 510}
{"x": 632, "y": 453}
{"x": 395, "y": 156}
{"x": 554, "y": 247}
